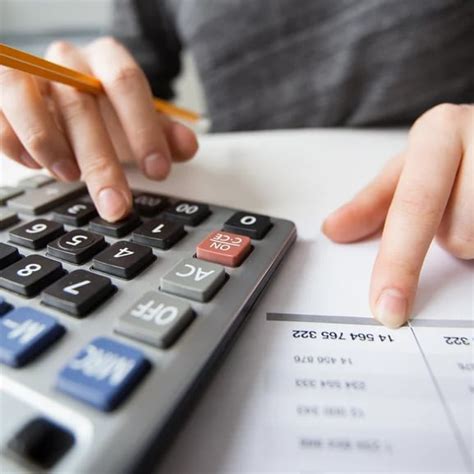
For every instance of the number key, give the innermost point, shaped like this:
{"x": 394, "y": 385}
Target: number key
{"x": 115, "y": 229}
{"x": 189, "y": 213}
{"x": 124, "y": 259}
{"x": 75, "y": 213}
{"x": 36, "y": 234}
{"x": 149, "y": 204}
{"x": 159, "y": 233}
{"x": 8, "y": 255}
{"x": 77, "y": 246}
{"x": 254, "y": 226}
{"x": 30, "y": 275}
{"x": 78, "y": 293}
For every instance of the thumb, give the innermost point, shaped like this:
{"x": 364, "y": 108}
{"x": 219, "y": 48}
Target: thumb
{"x": 365, "y": 213}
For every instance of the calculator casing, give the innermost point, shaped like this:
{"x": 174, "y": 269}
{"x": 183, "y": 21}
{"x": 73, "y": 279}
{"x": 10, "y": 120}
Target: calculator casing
{"x": 132, "y": 437}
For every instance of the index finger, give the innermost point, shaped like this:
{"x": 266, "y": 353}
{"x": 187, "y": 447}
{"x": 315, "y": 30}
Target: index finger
{"x": 431, "y": 162}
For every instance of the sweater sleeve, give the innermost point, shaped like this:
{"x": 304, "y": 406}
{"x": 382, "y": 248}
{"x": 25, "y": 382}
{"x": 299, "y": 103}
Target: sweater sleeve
{"x": 148, "y": 31}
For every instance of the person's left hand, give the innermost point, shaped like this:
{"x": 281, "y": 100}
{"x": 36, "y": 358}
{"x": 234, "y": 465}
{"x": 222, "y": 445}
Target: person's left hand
{"x": 426, "y": 191}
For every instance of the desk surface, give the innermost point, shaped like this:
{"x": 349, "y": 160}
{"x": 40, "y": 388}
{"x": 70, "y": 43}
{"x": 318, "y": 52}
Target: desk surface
{"x": 302, "y": 176}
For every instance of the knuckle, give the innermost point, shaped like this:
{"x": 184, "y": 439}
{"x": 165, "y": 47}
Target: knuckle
{"x": 125, "y": 78}
{"x": 440, "y": 117}
{"x": 419, "y": 203}
{"x": 106, "y": 42}
{"x": 459, "y": 244}
{"x": 37, "y": 141}
{"x": 97, "y": 167}
{"x": 59, "y": 48}
{"x": 76, "y": 105}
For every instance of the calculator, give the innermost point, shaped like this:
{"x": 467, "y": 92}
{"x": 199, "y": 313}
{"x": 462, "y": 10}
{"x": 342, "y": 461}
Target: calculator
{"x": 109, "y": 330}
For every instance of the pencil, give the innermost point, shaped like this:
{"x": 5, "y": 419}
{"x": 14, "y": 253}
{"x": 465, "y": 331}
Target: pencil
{"x": 40, "y": 67}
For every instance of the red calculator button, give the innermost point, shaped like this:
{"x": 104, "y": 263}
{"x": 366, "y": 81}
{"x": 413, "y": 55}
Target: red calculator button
{"x": 224, "y": 248}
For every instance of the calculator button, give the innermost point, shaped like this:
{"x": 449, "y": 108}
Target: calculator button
{"x": 36, "y": 234}
{"x": 115, "y": 229}
{"x": 159, "y": 233}
{"x": 7, "y": 218}
{"x": 25, "y": 333}
{"x": 36, "y": 181}
{"x": 194, "y": 279}
{"x": 77, "y": 246}
{"x": 41, "y": 442}
{"x": 4, "y": 306}
{"x": 30, "y": 275}
{"x": 8, "y": 255}
{"x": 123, "y": 259}
{"x": 149, "y": 204}
{"x": 78, "y": 293}
{"x": 103, "y": 373}
{"x": 8, "y": 192}
{"x": 254, "y": 226}
{"x": 75, "y": 213}
{"x": 156, "y": 319}
{"x": 224, "y": 248}
{"x": 189, "y": 213}
{"x": 38, "y": 201}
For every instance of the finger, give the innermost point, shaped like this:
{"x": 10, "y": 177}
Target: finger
{"x": 456, "y": 232}
{"x": 431, "y": 162}
{"x": 11, "y": 146}
{"x": 34, "y": 125}
{"x": 130, "y": 94}
{"x": 366, "y": 212}
{"x": 181, "y": 139}
{"x": 89, "y": 139}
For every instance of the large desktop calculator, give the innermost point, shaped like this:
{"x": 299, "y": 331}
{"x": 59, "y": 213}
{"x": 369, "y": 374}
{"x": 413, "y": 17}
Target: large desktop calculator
{"x": 107, "y": 331}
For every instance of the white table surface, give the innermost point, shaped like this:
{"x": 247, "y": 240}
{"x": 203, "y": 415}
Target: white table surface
{"x": 301, "y": 176}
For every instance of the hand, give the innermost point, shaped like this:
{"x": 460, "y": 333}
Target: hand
{"x": 74, "y": 134}
{"x": 426, "y": 191}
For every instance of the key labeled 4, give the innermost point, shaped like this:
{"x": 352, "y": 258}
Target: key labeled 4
{"x": 225, "y": 248}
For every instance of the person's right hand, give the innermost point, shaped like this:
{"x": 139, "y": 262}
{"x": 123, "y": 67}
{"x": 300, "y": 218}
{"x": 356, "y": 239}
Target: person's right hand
{"x": 79, "y": 136}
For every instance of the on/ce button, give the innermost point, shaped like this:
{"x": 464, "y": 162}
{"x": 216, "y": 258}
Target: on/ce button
{"x": 224, "y": 248}
{"x": 254, "y": 226}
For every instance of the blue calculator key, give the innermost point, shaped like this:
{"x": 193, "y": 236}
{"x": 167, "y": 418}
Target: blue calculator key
{"x": 103, "y": 373}
{"x": 4, "y": 306}
{"x": 25, "y": 333}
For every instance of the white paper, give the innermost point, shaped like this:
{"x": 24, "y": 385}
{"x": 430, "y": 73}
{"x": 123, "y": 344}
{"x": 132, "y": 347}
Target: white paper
{"x": 305, "y": 392}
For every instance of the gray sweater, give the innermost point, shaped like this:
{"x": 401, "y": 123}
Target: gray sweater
{"x": 304, "y": 63}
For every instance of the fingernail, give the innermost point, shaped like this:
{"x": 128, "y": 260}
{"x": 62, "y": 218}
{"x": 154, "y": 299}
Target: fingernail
{"x": 391, "y": 308}
{"x": 156, "y": 166}
{"x": 65, "y": 170}
{"x": 111, "y": 204}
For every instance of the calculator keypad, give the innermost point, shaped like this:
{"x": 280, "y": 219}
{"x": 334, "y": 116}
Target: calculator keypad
{"x": 178, "y": 293}
{"x": 77, "y": 246}
{"x": 36, "y": 234}
{"x": 78, "y": 293}
{"x": 30, "y": 275}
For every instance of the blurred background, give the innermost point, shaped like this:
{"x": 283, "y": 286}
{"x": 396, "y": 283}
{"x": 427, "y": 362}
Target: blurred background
{"x": 32, "y": 24}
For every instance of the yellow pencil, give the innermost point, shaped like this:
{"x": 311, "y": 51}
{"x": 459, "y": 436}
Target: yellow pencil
{"x": 40, "y": 67}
